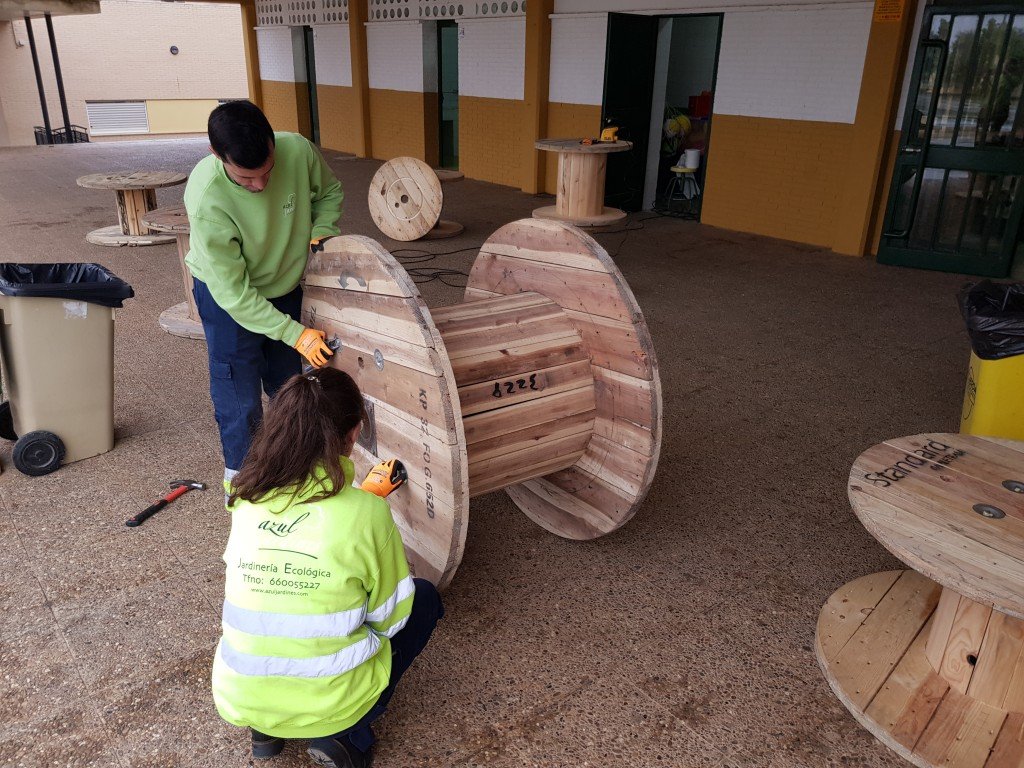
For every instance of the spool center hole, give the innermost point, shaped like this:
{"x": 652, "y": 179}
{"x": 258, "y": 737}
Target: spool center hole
{"x": 404, "y": 198}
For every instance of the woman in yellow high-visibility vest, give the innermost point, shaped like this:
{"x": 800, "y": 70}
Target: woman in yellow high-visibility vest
{"x": 321, "y": 616}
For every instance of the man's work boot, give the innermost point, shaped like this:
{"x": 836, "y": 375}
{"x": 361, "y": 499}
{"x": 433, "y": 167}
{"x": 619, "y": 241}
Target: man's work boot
{"x": 337, "y": 753}
{"x": 265, "y": 747}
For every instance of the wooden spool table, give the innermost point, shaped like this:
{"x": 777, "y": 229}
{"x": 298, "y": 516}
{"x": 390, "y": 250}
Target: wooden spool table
{"x": 581, "y": 175}
{"x": 181, "y": 319}
{"x": 405, "y": 201}
{"x": 931, "y": 661}
{"x": 136, "y": 196}
{"x": 543, "y": 383}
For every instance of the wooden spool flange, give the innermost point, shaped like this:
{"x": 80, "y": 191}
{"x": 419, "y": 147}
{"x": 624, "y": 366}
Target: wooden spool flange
{"x": 544, "y": 383}
{"x": 405, "y": 201}
{"x": 934, "y": 675}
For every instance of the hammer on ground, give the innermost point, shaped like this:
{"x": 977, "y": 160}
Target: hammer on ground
{"x": 178, "y": 488}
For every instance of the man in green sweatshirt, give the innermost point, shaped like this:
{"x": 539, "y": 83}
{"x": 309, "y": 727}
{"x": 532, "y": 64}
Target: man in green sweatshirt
{"x": 256, "y": 207}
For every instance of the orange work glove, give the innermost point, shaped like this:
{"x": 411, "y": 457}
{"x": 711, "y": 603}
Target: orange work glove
{"x": 311, "y": 345}
{"x": 317, "y": 244}
{"x": 385, "y": 477}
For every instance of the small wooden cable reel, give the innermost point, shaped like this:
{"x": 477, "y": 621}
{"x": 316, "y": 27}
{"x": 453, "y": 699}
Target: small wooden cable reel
{"x": 543, "y": 383}
{"x": 405, "y": 201}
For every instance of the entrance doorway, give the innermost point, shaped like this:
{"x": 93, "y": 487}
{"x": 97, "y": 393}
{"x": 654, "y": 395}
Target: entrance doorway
{"x": 310, "y": 57}
{"x": 448, "y": 93}
{"x": 659, "y": 79}
{"x": 956, "y": 197}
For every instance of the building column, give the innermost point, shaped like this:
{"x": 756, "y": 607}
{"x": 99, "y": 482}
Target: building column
{"x": 535, "y": 91}
{"x": 252, "y": 52}
{"x": 357, "y": 15}
{"x": 884, "y": 64}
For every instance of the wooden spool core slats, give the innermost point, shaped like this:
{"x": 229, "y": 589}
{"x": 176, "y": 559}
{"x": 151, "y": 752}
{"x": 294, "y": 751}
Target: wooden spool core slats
{"x": 872, "y": 644}
{"x": 405, "y": 198}
{"x": 502, "y": 349}
{"x": 355, "y": 290}
{"x": 609, "y": 481}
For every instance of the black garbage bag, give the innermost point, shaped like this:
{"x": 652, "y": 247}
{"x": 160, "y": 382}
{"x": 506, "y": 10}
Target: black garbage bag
{"x": 75, "y": 282}
{"x": 994, "y": 313}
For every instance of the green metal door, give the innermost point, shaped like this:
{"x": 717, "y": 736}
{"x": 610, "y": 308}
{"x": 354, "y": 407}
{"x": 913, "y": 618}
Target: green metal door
{"x": 956, "y": 197}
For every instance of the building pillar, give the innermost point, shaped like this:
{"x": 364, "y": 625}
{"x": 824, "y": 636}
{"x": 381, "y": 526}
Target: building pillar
{"x": 357, "y": 15}
{"x": 535, "y": 92}
{"x": 884, "y": 64}
{"x": 252, "y": 52}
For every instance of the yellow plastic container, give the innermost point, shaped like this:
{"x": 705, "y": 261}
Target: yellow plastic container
{"x": 994, "y": 398}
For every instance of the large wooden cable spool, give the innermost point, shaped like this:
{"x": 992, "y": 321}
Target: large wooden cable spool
{"x": 405, "y": 200}
{"x": 544, "y": 383}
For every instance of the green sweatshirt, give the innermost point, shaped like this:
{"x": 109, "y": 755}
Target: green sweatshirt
{"x": 249, "y": 247}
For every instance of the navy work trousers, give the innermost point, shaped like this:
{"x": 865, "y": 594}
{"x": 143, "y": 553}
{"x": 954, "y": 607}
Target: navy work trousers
{"x": 406, "y": 645}
{"x": 243, "y": 364}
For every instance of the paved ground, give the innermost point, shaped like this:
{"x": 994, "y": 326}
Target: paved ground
{"x": 685, "y": 639}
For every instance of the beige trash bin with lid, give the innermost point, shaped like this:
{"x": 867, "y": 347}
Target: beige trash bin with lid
{"x": 57, "y": 361}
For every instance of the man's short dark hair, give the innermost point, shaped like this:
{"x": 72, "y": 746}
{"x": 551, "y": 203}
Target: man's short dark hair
{"x": 241, "y": 134}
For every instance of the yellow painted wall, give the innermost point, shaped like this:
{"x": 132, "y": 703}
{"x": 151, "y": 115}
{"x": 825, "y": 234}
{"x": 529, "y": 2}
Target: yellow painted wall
{"x": 489, "y": 140}
{"x": 396, "y": 124}
{"x": 883, "y": 197}
{"x": 179, "y": 115}
{"x": 780, "y": 178}
{"x": 338, "y": 110}
{"x": 286, "y": 106}
{"x": 567, "y": 121}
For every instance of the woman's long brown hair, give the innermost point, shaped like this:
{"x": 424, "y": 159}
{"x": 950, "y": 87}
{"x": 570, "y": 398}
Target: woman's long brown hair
{"x": 304, "y": 427}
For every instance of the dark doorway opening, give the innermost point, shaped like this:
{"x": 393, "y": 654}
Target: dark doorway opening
{"x": 448, "y": 93}
{"x": 310, "y": 56}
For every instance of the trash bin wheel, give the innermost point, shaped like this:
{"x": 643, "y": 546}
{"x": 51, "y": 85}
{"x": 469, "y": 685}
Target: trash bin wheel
{"x": 7, "y": 422}
{"x": 38, "y": 453}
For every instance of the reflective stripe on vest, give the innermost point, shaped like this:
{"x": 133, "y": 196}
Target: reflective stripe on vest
{"x": 296, "y": 625}
{"x": 338, "y": 663}
{"x": 394, "y": 629}
{"x": 405, "y": 588}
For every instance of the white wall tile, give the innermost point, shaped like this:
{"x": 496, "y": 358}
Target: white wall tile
{"x": 491, "y": 57}
{"x": 281, "y": 54}
{"x": 577, "y": 59}
{"x": 395, "y": 55}
{"x": 333, "y": 54}
{"x": 793, "y": 64}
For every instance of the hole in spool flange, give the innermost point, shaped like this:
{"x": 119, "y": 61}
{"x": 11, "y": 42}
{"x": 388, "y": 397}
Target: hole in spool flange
{"x": 360, "y": 361}
{"x": 972, "y": 659}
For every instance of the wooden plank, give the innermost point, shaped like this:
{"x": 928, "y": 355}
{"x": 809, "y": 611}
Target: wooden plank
{"x": 510, "y": 468}
{"x": 398, "y": 317}
{"x": 846, "y": 609}
{"x": 1000, "y": 652}
{"x": 357, "y": 263}
{"x": 1013, "y": 700}
{"x": 867, "y": 660}
{"x": 1008, "y": 751}
{"x": 592, "y": 490}
{"x": 503, "y": 364}
{"x": 368, "y": 343}
{"x": 961, "y": 733}
{"x": 494, "y": 426}
{"x": 964, "y": 644}
{"x": 534, "y": 437}
{"x": 906, "y": 702}
{"x": 562, "y": 513}
{"x": 579, "y": 290}
{"x": 942, "y": 626}
{"x": 619, "y": 466}
{"x": 626, "y": 410}
{"x": 481, "y": 396}
{"x": 474, "y": 317}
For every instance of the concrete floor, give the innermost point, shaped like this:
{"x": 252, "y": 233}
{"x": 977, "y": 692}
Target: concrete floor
{"x": 685, "y": 639}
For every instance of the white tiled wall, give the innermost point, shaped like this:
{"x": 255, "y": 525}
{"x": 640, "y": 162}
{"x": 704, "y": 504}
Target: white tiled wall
{"x": 491, "y": 57}
{"x": 793, "y": 64}
{"x": 395, "y": 55}
{"x": 280, "y": 52}
{"x": 333, "y": 55}
{"x": 577, "y": 59}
